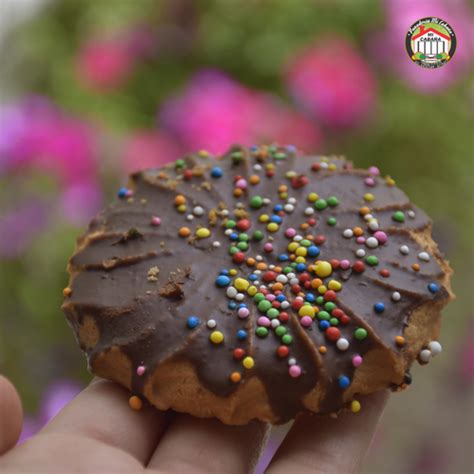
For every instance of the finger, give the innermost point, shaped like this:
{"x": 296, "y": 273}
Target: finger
{"x": 11, "y": 415}
{"x": 201, "y": 445}
{"x": 101, "y": 412}
{"x": 316, "y": 444}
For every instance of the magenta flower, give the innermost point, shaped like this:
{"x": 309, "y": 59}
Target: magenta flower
{"x": 333, "y": 82}
{"x": 149, "y": 149}
{"x": 388, "y": 45}
{"x": 214, "y": 112}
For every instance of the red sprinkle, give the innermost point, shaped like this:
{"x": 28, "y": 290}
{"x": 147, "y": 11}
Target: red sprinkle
{"x": 344, "y": 319}
{"x": 243, "y": 224}
{"x": 238, "y": 353}
{"x": 333, "y": 333}
{"x": 337, "y": 312}
{"x": 358, "y": 267}
{"x": 269, "y": 276}
{"x": 283, "y": 317}
{"x": 187, "y": 174}
{"x": 330, "y": 295}
{"x": 283, "y": 351}
{"x": 319, "y": 239}
{"x": 238, "y": 257}
{"x": 295, "y": 289}
{"x": 315, "y": 166}
{"x": 384, "y": 272}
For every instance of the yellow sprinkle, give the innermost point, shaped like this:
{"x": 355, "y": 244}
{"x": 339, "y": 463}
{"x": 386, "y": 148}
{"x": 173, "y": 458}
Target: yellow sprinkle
{"x": 135, "y": 403}
{"x": 203, "y": 153}
{"x": 283, "y": 195}
{"x": 241, "y": 284}
{"x": 369, "y": 197}
{"x": 252, "y": 291}
{"x": 322, "y": 289}
{"x": 334, "y": 285}
{"x": 216, "y": 337}
{"x": 273, "y": 227}
{"x": 263, "y": 218}
{"x": 232, "y": 272}
{"x": 203, "y": 233}
{"x": 390, "y": 181}
{"x": 181, "y": 208}
{"x": 301, "y": 251}
{"x": 332, "y": 167}
{"x": 292, "y": 246}
{"x": 306, "y": 310}
{"x": 248, "y": 362}
{"x": 355, "y": 406}
{"x": 300, "y": 260}
{"x": 323, "y": 269}
{"x": 312, "y": 197}
{"x": 67, "y": 292}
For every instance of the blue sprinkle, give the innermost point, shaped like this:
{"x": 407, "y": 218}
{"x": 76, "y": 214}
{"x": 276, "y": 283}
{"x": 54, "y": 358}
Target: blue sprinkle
{"x": 254, "y": 148}
{"x": 323, "y": 325}
{"x": 193, "y": 321}
{"x": 310, "y": 298}
{"x": 291, "y": 148}
{"x": 241, "y": 334}
{"x": 216, "y": 172}
{"x": 300, "y": 267}
{"x": 224, "y": 271}
{"x": 344, "y": 381}
{"x": 433, "y": 287}
{"x": 122, "y": 192}
{"x": 379, "y": 307}
{"x": 278, "y": 208}
{"x": 283, "y": 257}
{"x": 281, "y": 298}
{"x": 234, "y": 236}
{"x": 276, "y": 219}
{"x": 222, "y": 281}
{"x": 232, "y": 305}
{"x": 253, "y": 277}
{"x": 313, "y": 251}
{"x": 242, "y": 305}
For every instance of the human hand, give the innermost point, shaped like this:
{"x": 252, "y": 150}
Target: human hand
{"x": 98, "y": 432}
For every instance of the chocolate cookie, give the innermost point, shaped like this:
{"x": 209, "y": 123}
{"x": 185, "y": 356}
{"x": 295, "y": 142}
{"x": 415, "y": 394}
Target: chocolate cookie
{"x": 258, "y": 285}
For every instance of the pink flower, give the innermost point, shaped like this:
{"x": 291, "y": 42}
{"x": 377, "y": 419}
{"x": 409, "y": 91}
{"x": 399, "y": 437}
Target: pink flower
{"x": 104, "y": 65}
{"x": 333, "y": 82}
{"x": 214, "y": 112}
{"x": 388, "y": 46}
{"x": 149, "y": 149}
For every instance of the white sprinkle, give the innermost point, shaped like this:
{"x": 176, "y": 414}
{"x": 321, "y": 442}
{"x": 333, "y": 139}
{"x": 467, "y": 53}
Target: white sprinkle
{"x": 216, "y": 244}
{"x": 372, "y": 243}
{"x": 275, "y": 323}
{"x": 198, "y": 211}
{"x": 189, "y": 217}
{"x": 271, "y": 267}
{"x": 368, "y": 217}
{"x": 211, "y": 323}
{"x": 259, "y": 258}
{"x": 257, "y": 167}
{"x": 396, "y": 296}
{"x": 374, "y": 225}
{"x": 435, "y": 347}
{"x": 360, "y": 253}
{"x": 308, "y": 211}
{"x": 228, "y": 231}
{"x": 266, "y": 201}
{"x": 257, "y": 272}
{"x": 324, "y": 165}
{"x": 225, "y": 212}
{"x": 291, "y": 275}
{"x": 425, "y": 355}
{"x": 292, "y": 200}
{"x": 231, "y": 292}
{"x": 289, "y": 208}
{"x": 282, "y": 279}
{"x": 404, "y": 250}
{"x": 342, "y": 344}
{"x": 239, "y": 296}
{"x": 298, "y": 238}
{"x": 291, "y": 361}
{"x": 348, "y": 233}
{"x": 285, "y": 305}
{"x": 411, "y": 214}
{"x": 294, "y": 281}
{"x": 425, "y": 256}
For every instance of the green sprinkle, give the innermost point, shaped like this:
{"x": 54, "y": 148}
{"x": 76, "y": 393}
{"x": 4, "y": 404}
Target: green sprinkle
{"x": 233, "y": 250}
{"x": 398, "y": 216}
{"x": 333, "y": 201}
{"x": 256, "y": 202}
{"x": 287, "y": 270}
{"x": 320, "y": 300}
{"x": 180, "y": 164}
{"x": 324, "y": 315}
{"x": 243, "y": 245}
{"x": 258, "y": 297}
{"x": 305, "y": 243}
{"x": 280, "y": 331}
{"x": 320, "y": 204}
{"x": 280, "y": 156}
{"x": 372, "y": 260}
{"x": 258, "y": 235}
{"x": 230, "y": 223}
{"x": 273, "y": 313}
{"x": 334, "y": 321}
{"x": 243, "y": 237}
{"x": 261, "y": 331}
{"x": 264, "y": 306}
{"x": 332, "y": 221}
{"x": 329, "y": 306}
{"x": 360, "y": 334}
{"x": 286, "y": 339}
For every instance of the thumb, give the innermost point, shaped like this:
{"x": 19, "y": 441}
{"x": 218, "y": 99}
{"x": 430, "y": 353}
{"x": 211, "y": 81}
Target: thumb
{"x": 11, "y": 415}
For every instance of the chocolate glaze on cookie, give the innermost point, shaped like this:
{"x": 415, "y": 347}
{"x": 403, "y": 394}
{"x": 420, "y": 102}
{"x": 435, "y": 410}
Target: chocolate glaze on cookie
{"x": 263, "y": 263}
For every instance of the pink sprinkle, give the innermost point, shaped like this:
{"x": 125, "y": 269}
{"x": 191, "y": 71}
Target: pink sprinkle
{"x": 294, "y": 371}
{"x": 129, "y": 193}
{"x": 360, "y": 240}
{"x": 140, "y": 370}
{"x": 263, "y": 321}
{"x": 381, "y": 236}
{"x": 290, "y": 232}
{"x": 268, "y": 247}
{"x": 357, "y": 360}
{"x": 243, "y": 313}
{"x": 369, "y": 182}
{"x": 344, "y": 264}
{"x": 306, "y": 321}
{"x": 270, "y": 297}
{"x": 155, "y": 220}
{"x": 374, "y": 170}
{"x": 241, "y": 183}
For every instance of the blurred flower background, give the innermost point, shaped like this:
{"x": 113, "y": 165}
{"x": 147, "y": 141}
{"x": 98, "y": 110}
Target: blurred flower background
{"x": 93, "y": 89}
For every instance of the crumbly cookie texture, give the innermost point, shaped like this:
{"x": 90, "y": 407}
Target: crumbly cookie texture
{"x": 258, "y": 285}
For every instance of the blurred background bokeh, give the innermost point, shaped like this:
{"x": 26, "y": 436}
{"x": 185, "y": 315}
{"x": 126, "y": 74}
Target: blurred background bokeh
{"x": 93, "y": 89}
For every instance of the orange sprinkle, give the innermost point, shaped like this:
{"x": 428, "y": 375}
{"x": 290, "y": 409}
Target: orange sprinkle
{"x": 67, "y": 292}
{"x": 277, "y": 286}
{"x": 238, "y": 192}
{"x": 416, "y": 267}
{"x": 184, "y": 232}
{"x": 235, "y": 377}
{"x": 282, "y": 189}
{"x": 261, "y": 266}
{"x": 292, "y": 256}
{"x": 399, "y": 341}
{"x": 254, "y": 179}
{"x": 179, "y": 200}
{"x": 316, "y": 283}
{"x": 364, "y": 210}
{"x": 358, "y": 231}
{"x": 322, "y": 349}
{"x": 251, "y": 262}
{"x": 304, "y": 225}
{"x": 277, "y": 269}
{"x": 135, "y": 403}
